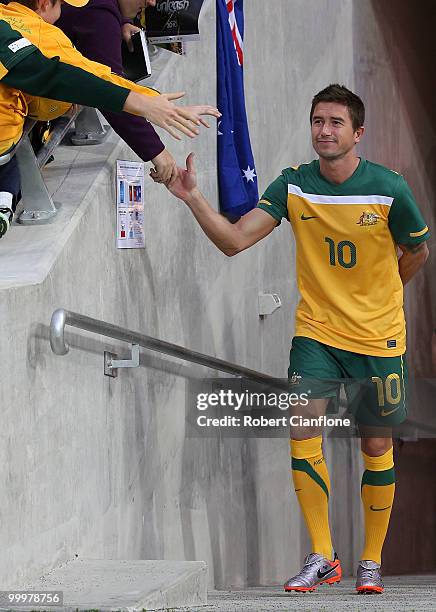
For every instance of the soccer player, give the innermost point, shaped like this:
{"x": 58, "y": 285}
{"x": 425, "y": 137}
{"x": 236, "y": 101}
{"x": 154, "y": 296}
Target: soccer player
{"x": 348, "y": 216}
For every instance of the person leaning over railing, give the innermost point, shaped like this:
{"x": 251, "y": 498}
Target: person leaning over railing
{"x": 24, "y": 68}
{"x": 35, "y": 27}
{"x": 97, "y": 30}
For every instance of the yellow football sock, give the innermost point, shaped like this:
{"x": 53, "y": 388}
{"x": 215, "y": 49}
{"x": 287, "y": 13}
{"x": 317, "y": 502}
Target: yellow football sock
{"x": 378, "y": 488}
{"x": 312, "y": 485}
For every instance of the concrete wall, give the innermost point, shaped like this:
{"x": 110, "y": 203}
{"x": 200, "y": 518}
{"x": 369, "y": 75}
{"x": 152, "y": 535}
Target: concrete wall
{"x": 103, "y": 468}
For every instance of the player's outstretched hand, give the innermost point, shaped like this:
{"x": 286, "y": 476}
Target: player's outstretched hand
{"x": 161, "y": 111}
{"x": 184, "y": 183}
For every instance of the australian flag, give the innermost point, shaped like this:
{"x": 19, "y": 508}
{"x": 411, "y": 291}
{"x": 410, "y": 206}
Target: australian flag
{"x": 237, "y": 178}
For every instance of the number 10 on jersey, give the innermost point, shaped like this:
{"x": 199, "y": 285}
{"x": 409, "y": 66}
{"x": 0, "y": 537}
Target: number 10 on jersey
{"x": 343, "y": 253}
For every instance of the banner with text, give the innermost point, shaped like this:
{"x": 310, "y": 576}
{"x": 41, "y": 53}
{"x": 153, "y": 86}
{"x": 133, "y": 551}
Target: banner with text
{"x": 173, "y": 21}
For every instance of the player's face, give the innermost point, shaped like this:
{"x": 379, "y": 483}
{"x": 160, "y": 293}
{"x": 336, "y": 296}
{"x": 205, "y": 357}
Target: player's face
{"x": 333, "y": 135}
{"x": 130, "y": 8}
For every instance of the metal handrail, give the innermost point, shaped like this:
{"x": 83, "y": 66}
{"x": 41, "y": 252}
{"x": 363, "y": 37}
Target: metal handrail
{"x": 61, "y": 318}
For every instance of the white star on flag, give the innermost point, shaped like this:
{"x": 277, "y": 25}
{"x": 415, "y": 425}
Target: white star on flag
{"x": 219, "y": 133}
{"x": 249, "y": 174}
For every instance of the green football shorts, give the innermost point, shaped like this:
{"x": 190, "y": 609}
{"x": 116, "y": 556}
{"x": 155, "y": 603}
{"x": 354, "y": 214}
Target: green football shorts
{"x": 375, "y": 387}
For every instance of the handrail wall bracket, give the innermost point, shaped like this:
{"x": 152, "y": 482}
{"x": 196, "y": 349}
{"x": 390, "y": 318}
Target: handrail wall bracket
{"x": 111, "y": 363}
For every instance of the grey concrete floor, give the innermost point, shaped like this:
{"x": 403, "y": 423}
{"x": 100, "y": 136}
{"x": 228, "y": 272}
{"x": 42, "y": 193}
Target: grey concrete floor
{"x": 411, "y": 593}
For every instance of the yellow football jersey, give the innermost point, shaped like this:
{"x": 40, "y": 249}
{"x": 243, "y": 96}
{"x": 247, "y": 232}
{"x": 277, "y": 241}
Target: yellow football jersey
{"x": 14, "y": 47}
{"x": 347, "y": 265}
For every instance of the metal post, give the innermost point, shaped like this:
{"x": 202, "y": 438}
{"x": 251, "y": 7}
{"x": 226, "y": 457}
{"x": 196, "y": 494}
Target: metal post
{"x": 89, "y": 128}
{"x": 38, "y": 204}
{"x": 59, "y": 128}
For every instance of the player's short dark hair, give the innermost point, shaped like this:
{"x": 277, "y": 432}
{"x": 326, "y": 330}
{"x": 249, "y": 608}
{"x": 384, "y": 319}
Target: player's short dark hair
{"x": 341, "y": 95}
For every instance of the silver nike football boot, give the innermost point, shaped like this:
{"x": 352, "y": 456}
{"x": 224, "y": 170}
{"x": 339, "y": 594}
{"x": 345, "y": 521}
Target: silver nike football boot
{"x": 369, "y": 578}
{"x": 316, "y": 570}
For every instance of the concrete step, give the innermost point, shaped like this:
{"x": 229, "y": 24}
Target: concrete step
{"x": 89, "y": 584}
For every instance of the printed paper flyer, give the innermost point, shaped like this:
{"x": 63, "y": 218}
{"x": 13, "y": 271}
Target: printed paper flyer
{"x": 130, "y": 205}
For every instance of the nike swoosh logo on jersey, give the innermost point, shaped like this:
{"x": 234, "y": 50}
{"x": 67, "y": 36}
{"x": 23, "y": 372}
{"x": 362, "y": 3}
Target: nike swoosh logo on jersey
{"x": 384, "y": 413}
{"x": 322, "y": 575}
{"x": 304, "y": 218}
{"x": 378, "y": 509}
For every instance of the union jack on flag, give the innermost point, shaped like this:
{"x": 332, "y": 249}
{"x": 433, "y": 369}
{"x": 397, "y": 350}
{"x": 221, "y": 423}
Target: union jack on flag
{"x": 237, "y": 178}
{"x": 236, "y": 35}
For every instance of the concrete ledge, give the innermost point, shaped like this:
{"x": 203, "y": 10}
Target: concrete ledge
{"x": 89, "y": 584}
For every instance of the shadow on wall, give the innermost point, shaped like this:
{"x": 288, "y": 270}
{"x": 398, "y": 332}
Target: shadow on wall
{"x": 218, "y": 498}
{"x": 413, "y": 47}
{"x": 410, "y": 41}
{"x": 394, "y": 48}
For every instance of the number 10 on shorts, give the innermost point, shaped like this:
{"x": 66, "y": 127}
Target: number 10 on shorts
{"x": 387, "y": 390}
